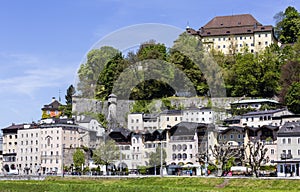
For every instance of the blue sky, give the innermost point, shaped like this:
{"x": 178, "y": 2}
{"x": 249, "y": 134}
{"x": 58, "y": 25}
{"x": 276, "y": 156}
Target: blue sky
{"x": 42, "y": 43}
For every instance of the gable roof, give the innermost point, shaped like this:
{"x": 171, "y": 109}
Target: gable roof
{"x": 232, "y": 21}
{"x": 289, "y": 129}
{"x": 54, "y": 105}
{"x": 233, "y": 25}
{"x": 237, "y": 128}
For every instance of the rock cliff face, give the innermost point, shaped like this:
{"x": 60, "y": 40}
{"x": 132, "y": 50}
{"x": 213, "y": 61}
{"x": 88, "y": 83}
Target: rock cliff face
{"x": 81, "y": 105}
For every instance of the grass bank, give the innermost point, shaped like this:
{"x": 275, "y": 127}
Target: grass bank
{"x": 149, "y": 184}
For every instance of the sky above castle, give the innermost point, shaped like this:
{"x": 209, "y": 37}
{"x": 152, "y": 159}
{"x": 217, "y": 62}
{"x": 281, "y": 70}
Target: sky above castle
{"x": 42, "y": 43}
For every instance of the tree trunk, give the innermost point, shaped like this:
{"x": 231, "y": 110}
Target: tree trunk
{"x": 220, "y": 170}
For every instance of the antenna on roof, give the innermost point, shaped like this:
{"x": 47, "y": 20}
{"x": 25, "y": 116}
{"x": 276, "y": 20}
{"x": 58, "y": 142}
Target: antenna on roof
{"x": 59, "y": 99}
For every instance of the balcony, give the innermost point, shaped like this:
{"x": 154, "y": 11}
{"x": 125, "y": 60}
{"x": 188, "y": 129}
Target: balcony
{"x": 51, "y": 156}
{"x": 286, "y": 156}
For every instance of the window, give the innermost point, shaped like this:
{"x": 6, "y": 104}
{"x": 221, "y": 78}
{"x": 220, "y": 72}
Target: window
{"x": 266, "y": 35}
{"x": 178, "y": 147}
{"x": 298, "y": 151}
{"x": 298, "y": 140}
{"x": 184, "y": 147}
{"x": 272, "y": 151}
{"x": 231, "y": 136}
{"x": 191, "y": 146}
{"x": 173, "y": 147}
{"x": 289, "y": 140}
{"x": 168, "y": 119}
{"x": 283, "y": 141}
{"x": 184, "y": 156}
{"x": 179, "y": 156}
{"x": 173, "y": 156}
{"x": 259, "y": 35}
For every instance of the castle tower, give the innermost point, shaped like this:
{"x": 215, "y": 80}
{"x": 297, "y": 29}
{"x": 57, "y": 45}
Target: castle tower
{"x": 112, "y": 112}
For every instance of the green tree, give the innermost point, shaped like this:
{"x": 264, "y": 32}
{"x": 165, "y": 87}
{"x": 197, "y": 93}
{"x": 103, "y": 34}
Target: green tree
{"x": 290, "y": 73}
{"x": 109, "y": 75}
{"x": 255, "y": 75}
{"x": 292, "y": 98}
{"x": 188, "y": 56}
{"x": 67, "y": 109}
{"x": 78, "y": 158}
{"x": 106, "y": 153}
{"x": 288, "y": 25}
{"x": 89, "y": 71}
{"x": 152, "y": 50}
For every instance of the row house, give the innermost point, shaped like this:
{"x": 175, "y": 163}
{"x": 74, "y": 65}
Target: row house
{"x": 281, "y": 120}
{"x": 10, "y": 147}
{"x": 168, "y": 118}
{"x": 288, "y": 149}
{"x": 91, "y": 124}
{"x": 146, "y": 122}
{"x": 234, "y": 34}
{"x": 182, "y": 142}
{"x": 143, "y": 122}
{"x": 258, "y": 118}
{"x": 198, "y": 115}
{"x": 45, "y": 147}
{"x": 135, "y": 148}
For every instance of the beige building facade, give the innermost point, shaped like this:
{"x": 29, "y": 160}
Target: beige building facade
{"x": 235, "y": 34}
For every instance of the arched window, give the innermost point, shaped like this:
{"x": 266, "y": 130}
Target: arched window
{"x": 178, "y": 147}
{"x": 173, "y": 156}
{"x": 174, "y": 147}
{"x": 184, "y": 147}
{"x": 184, "y": 156}
{"x": 179, "y": 156}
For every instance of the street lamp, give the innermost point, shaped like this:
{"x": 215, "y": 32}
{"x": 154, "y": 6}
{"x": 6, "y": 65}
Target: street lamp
{"x": 161, "y": 160}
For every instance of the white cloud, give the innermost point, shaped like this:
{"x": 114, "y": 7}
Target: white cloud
{"x": 25, "y": 74}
